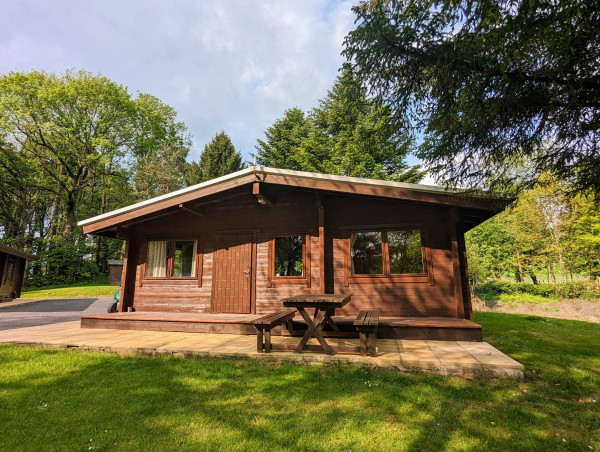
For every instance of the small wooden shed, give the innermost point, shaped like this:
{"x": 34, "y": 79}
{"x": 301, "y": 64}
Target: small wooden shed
{"x": 238, "y": 244}
{"x": 12, "y": 271}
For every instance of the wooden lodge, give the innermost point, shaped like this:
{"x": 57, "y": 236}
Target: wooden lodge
{"x": 214, "y": 256}
{"x": 12, "y": 272}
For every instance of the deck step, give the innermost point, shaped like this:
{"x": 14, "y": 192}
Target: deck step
{"x": 427, "y": 328}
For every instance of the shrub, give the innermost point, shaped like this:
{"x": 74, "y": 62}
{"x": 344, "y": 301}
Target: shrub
{"x": 61, "y": 265}
{"x": 492, "y": 290}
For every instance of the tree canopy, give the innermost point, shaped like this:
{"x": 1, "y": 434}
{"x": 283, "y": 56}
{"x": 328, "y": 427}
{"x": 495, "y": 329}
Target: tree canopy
{"x": 218, "y": 158}
{"x": 77, "y": 145}
{"x": 490, "y": 84}
{"x": 347, "y": 134}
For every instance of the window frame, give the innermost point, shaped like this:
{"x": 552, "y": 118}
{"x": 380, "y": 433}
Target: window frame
{"x": 387, "y": 276}
{"x": 145, "y": 279}
{"x": 274, "y": 281}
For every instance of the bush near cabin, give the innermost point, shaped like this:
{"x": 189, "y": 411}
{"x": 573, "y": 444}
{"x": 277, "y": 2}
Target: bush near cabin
{"x": 570, "y": 290}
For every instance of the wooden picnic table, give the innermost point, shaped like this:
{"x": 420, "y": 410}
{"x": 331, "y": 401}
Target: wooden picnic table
{"x": 324, "y": 306}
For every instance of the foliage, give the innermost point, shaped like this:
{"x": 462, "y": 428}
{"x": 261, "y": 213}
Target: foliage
{"x": 59, "y": 264}
{"x": 218, "y": 159}
{"x": 58, "y": 398}
{"x": 490, "y": 83}
{"x": 73, "y": 146}
{"x": 284, "y": 144}
{"x": 160, "y": 164}
{"x": 492, "y": 290}
{"x": 347, "y": 134}
{"x": 544, "y": 232}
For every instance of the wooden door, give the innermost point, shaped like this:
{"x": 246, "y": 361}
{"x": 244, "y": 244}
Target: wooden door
{"x": 232, "y": 274}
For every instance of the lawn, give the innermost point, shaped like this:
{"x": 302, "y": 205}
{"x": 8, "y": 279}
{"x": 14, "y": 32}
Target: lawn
{"x": 85, "y": 289}
{"x": 66, "y": 400}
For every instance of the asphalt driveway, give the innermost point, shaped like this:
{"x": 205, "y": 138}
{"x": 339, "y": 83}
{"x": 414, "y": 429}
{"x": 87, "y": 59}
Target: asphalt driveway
{"x": 51, "y": 311}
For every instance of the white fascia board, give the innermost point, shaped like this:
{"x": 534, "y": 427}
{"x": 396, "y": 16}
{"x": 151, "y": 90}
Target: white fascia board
{"x": 171, "y": 195}
{"x": 263, "y": 170}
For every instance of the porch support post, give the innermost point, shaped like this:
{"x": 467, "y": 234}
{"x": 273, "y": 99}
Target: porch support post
{"x": 321, "y": 244}
{"x": 464, "y": 271}
{"x": 129, "y": 272}
{"x": 458, "y": 287}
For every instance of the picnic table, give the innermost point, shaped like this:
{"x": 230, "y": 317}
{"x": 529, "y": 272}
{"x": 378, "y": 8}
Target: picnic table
{"x": 324, "y": 306}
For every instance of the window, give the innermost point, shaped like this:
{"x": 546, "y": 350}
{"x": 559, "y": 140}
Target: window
{"x": 171, "y": 259}
{"x": 405, "y": 252}
{"x": 289, "y": 259}
{"x": 393, "y": 254}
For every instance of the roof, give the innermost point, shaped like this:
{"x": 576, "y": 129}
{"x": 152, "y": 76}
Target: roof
{"x": 299, "y": 179}
{"x": 16, "y": 252}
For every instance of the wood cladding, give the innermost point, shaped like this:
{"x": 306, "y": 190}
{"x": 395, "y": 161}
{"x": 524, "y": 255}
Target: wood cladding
{"x": 297, "y": 211}
{"x": 231, "y": 282}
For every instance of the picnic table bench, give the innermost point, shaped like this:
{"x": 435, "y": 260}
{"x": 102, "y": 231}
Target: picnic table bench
{"x": 367, "y": 323}
{"x": 264, "y": 325}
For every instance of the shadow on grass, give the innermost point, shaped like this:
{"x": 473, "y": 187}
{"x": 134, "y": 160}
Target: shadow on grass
{"x": 63, "y": 399}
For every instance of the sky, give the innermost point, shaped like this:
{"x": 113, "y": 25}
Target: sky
{"x": 221, "y": 64}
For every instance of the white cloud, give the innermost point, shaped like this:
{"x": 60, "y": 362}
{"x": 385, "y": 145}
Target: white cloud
{"x": 223, "y": 65}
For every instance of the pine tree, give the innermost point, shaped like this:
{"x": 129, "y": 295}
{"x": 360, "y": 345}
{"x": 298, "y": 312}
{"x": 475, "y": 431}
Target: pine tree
{"x": 218, "y": 159}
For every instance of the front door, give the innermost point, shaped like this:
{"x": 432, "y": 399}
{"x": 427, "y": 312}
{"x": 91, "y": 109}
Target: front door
{"x": 232, "y": 274}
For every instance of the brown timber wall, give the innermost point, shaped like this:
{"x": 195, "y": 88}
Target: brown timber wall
{"x": 297, "y": 212}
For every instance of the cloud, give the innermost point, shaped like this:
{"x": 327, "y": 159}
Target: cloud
{"x": 223, "y": 65}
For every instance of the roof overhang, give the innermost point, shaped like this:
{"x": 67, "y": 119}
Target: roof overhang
{"x": 481, "y": 203}
{"x": 16, "y": 252}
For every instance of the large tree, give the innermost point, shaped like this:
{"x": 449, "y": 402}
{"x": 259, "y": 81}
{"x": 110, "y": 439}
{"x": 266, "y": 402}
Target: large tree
{"x": 347, "y": 134}
{"x": 218, "y": 158}
{"x": 67, "y": 142}
{"x": 489, "y": 83}
{"x": 284, "y": 143}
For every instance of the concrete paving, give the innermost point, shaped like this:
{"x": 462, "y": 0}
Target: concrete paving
{"x": 468, "y": 359}
{"x": 25, "y": 313}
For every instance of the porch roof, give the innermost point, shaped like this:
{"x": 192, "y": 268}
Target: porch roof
{"x": 475, "y": 201}
{"x": 16, "y": 252}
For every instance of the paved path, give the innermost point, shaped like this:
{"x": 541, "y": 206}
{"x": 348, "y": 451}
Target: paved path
{"x": 442, "y": 357}
{"x": 50, "y": 311}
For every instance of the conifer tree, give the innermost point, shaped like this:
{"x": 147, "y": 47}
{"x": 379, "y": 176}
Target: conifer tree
{"x": 218, "y": 159}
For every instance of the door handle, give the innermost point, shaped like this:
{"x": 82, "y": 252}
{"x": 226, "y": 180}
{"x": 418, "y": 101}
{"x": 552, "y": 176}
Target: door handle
{"x": 247, "y": 272}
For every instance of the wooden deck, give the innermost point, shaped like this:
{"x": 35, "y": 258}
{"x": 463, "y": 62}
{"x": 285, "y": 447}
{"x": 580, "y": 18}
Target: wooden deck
{"x": 417, "y": 328}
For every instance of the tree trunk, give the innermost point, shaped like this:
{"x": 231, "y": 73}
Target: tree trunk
{"x": 561, "y": 263}
{"x": 533, "y": 278}
{"x": 69, "y": 220}
{"x": 551, "y": 265}
{"x": 54, "y": 217}
{"x": 520, "y": 268}
{"x": 25, "y": 217}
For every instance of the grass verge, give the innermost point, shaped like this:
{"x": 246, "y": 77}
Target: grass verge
{"x": 67, "y": 400}
{"x": 82, "y": 289}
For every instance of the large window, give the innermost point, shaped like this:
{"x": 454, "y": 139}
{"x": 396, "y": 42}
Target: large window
{"x": 289, "y": 259}
{"x": 386, "y": 254}
{"x": 171, "y": 259}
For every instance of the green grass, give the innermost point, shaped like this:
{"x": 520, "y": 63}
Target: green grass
{"x": 82, "y": 289}
{"x": 525, "y": 298}
{"x": 65, "y": 400}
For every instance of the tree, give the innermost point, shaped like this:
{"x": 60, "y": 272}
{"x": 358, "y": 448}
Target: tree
{"x": 76, "y": 126}
{"x": 160, "y": 164}
{"x": 358, "y": 135}
{"x": 347, "y": 134}
{"x": 489, "y": 83}
{"x": 218, "y": 159}
{"x": 284, "y": 142}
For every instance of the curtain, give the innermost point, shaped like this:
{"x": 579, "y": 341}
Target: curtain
{"x": 194, "y": 258}
{"x": 157, "y": 259}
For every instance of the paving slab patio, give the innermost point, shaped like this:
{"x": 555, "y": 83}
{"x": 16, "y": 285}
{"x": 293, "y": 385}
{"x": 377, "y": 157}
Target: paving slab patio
{"x": 469, "y": 359}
